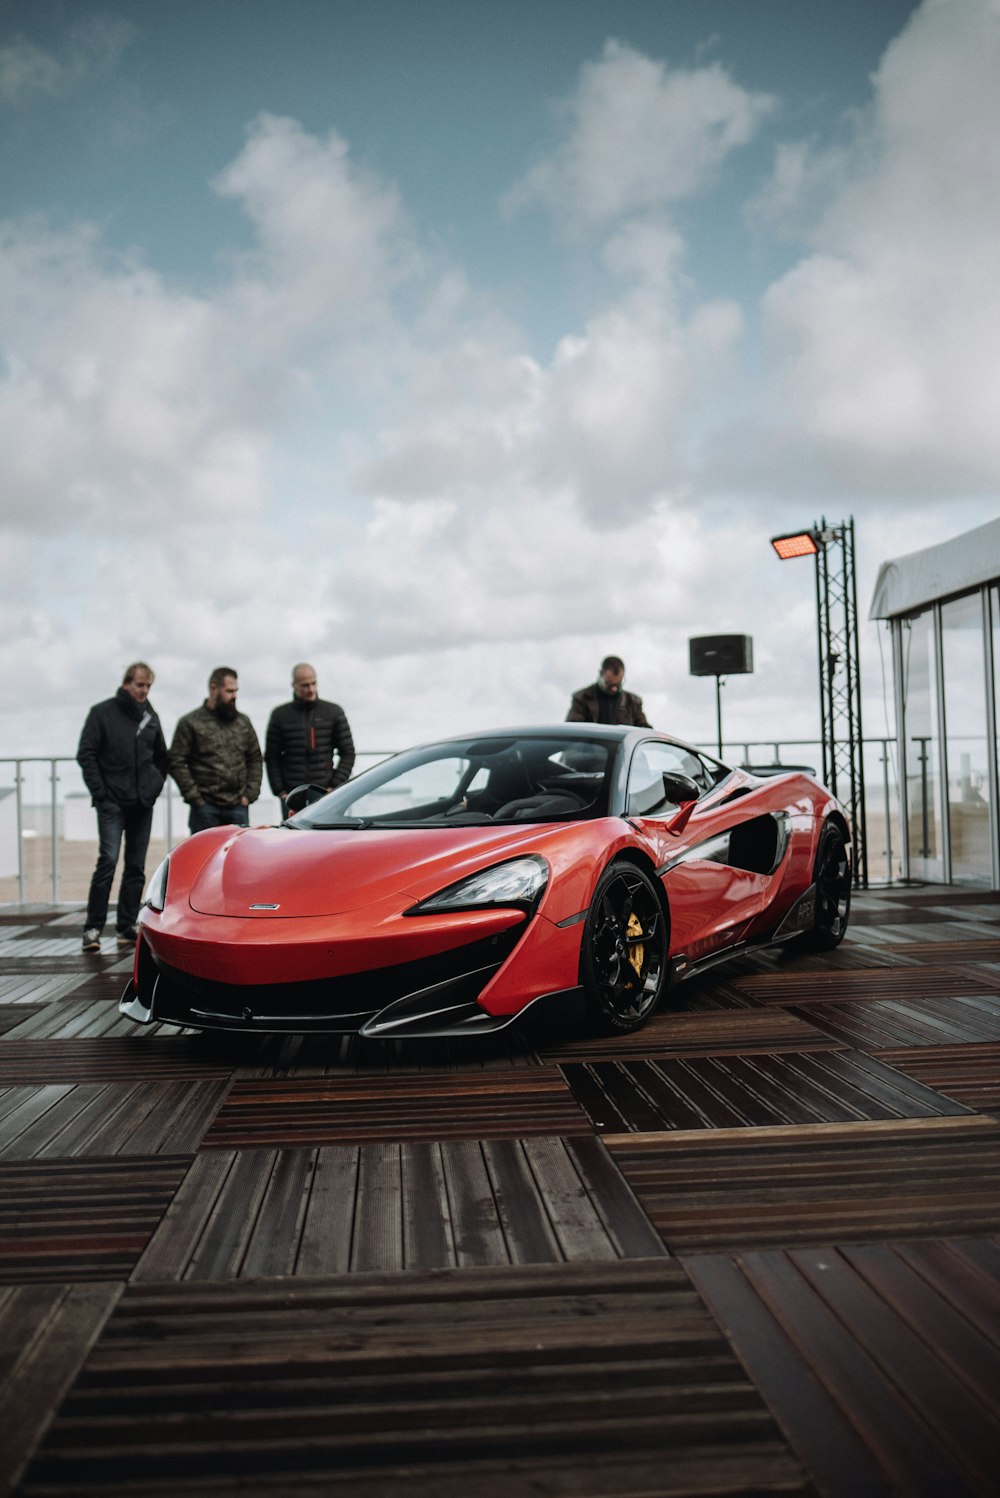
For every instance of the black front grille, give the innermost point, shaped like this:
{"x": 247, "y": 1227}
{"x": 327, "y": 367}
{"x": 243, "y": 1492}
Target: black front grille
{"x": 183, "y": 998}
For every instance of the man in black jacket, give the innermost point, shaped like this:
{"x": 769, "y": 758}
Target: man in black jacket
{"x": 302, "y": 737}
{"x": 123, "y": 757}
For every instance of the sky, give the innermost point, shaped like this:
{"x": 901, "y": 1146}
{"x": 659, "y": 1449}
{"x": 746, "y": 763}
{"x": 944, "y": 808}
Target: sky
{"x": 450, "y": 347}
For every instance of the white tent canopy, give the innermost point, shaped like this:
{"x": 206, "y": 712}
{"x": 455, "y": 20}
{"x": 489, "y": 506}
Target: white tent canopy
{"x": 914, "y": 581}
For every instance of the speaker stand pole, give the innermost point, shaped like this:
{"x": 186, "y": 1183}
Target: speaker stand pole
{"x": 718, "y": 712}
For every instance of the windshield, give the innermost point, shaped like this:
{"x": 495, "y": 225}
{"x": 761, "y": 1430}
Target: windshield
{"x": 502, "y": 779}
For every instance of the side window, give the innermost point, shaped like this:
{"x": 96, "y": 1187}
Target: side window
{"x": 645, "y": 797}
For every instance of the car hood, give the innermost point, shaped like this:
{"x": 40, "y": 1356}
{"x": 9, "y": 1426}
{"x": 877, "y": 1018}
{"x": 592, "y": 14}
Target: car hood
{"x": 282, "y": 872}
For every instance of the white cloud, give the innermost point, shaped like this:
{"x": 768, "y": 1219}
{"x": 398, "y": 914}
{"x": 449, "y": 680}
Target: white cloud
{"x": 886, "y": 339}
{"x": 503, "y": 520}
{"x": 91, "y": 49}
{"x": 639, "y": 136}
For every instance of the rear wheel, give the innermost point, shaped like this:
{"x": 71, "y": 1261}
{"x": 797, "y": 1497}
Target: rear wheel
{"x": 832, "y": 878}
{"x": 624, "y": 958}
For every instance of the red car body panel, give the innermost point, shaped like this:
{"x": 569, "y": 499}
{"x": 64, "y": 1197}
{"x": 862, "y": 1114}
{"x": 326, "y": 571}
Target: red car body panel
{"x": 273, "y": 914}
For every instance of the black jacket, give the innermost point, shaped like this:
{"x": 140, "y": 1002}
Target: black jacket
{"x": 122, "y": 753}
{"x": 302, "y": 738}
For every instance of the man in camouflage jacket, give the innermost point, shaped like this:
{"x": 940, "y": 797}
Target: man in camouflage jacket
{"x": 215, "y": 757}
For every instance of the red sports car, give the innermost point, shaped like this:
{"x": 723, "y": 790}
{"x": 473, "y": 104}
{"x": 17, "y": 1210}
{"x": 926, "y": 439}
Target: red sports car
{"x": 452, "y": 887}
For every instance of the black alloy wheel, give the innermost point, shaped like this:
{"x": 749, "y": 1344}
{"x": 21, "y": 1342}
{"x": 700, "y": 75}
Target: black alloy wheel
{"x": 832, "y": 878}
{"x": 623, "y": 962}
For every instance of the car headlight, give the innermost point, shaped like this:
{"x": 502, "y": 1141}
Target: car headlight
{"x": 155, "y": 893}
{"x": 518, "y": 882}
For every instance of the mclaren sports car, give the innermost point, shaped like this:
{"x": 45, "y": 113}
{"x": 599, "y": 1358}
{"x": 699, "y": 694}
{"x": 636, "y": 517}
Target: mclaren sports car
{"x": 453, "y": 887}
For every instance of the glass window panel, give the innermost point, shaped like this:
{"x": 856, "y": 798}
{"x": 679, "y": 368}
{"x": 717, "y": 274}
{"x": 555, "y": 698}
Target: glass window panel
{"x": 923, "y": 777}
{"x": 646, "y": 796}
{"x": 967, "y": 745}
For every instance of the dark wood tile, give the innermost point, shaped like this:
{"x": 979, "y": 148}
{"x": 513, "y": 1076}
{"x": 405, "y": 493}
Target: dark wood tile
{"x": 75, "y": 1220}
{"x": 968, "y": 1073}
{"x": 722, "y": 1092}
{"x": 466, "y": 1381}
{"x": 883, "y": 1375}
{"x": 882, "y": 1025}
{"x": 830, "y": 1183}
{"x": 795, "y": 989}
{"x": 343, "y": 1208}
{"x": 673, "y": 1033}
{"x": 431, "y": 1106}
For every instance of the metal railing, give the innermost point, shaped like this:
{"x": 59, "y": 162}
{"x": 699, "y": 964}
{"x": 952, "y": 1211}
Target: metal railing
{"x": 48, "y": 832}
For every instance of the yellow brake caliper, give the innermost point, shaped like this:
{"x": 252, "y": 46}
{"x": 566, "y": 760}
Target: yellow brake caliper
{"x": 633, "y": 929}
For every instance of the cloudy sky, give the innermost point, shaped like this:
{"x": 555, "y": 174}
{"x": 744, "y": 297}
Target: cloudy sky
{"x": 451, "y": 346}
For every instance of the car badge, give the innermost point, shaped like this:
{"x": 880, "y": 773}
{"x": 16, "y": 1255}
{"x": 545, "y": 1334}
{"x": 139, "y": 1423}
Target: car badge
{"x": 265, "y": 907}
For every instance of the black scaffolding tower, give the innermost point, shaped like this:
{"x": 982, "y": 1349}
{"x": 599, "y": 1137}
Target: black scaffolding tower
{"x": 839, "y": 668}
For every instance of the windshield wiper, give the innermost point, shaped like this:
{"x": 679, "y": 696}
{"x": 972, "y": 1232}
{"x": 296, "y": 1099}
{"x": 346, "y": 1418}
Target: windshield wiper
{"x": 352, "y": 824}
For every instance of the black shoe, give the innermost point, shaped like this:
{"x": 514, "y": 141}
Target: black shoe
{"x": 91, "y": 939}
{"x": 127, "y": 938}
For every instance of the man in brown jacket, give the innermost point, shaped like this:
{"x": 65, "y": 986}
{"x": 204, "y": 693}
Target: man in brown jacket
{"x": 606, "y": 701}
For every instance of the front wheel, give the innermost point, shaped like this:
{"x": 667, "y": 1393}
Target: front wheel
{"x": 833, "y": 890}
{"x": 624, "y": 958}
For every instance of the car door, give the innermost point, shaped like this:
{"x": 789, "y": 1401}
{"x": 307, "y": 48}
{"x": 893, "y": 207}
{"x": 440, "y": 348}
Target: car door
{"x": 713, "y": 895}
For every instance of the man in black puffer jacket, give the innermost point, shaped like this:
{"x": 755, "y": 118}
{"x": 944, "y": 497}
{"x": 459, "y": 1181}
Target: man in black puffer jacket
{"x": 123, "y": 757}
{"x": 302, "y": 737}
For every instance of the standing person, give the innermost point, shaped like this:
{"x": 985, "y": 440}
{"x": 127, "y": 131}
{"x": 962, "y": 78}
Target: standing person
{"x": 123, "y": 756}
{"x": 606, "y": 701}
{"x": 304, "y": 735}
{"x": 215, "y": 757}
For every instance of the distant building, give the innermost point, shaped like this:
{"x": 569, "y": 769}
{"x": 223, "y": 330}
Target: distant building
{"x": 943, "y": 607}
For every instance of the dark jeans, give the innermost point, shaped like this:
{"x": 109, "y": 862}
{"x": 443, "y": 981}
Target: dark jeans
{"x": 207, "y": 815}
{"x": 113, "y": 823}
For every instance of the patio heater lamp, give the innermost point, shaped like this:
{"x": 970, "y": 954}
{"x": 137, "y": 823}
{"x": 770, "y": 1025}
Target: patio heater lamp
{"x": 839, "y": 679}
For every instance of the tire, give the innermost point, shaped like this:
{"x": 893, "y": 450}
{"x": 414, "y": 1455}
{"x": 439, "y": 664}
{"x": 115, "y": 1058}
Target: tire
{"x": 832, "y": 877}
{"x": 623, "y": 961}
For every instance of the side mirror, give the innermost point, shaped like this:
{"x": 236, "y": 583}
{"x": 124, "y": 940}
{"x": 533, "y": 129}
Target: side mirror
{"x": 680, "y": 788}
{"x": 303, "y": 795}
{"x": 684, "y": 792}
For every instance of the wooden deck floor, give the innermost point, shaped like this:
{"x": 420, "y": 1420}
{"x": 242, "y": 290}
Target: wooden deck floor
{"x": 753, "y": 1249}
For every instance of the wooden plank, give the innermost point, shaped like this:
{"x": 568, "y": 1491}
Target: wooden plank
{"x": 171, "y": 1248}
{"x": 273, "y": 1247}
{"x": 861, "y": 985}
{"x": 426, "y": 1107}
{"x": 428, "y": 1238}
{"x": 488, "y": 1378}
{"x": 672, "y": 1032}
{"x": 966, "y": 1433}
{"x": 627, "y": 1225}
{"x": 832, "y": 1451}
{"x": 46, "y": 1333}
{"x": 577, "y": 1226}
{"x": 378, "y": 1227}
{"x": 914, "y": 1458}
{"x": 968, "y": 1073}
{"x": 328, "y": 1227}
{"x": 829, "y": 1183}
{"x": 523, "y": 1220}
{"x": 177, "y": 1058}
{"x": 969, "y": 1347}
{"x": 229, "y": 1226}
{"x": 965, "y": 1271}
{"x": 80, "y": 1220}
{"x": 476, "y": 1225}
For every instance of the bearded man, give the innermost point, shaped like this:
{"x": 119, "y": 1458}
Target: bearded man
{"x": 215, "y": 757}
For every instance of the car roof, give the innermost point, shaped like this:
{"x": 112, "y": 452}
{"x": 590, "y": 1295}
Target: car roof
{"x": 616, "y": 732}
